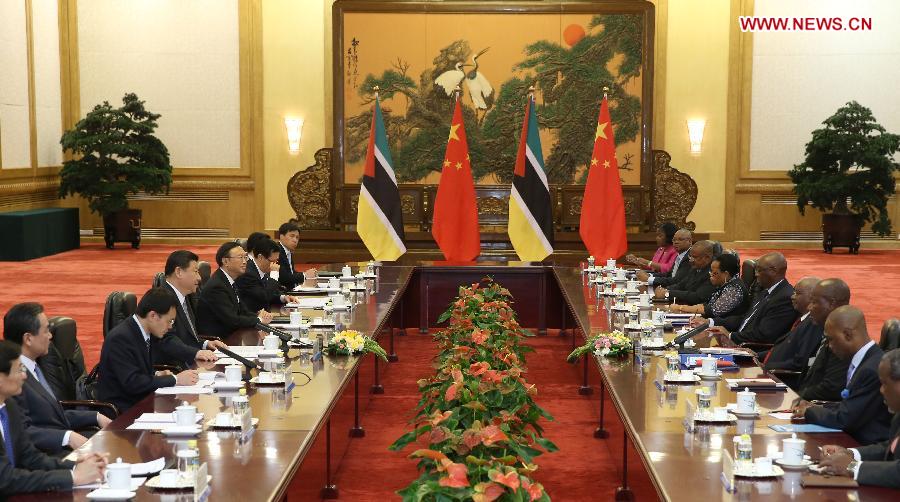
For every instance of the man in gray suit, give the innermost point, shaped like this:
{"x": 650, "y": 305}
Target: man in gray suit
{"x": 876, "y": 464}
{"x": 49, "y": 426}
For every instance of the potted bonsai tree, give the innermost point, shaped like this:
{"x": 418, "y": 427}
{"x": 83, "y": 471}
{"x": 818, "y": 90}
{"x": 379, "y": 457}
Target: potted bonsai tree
{"x": 849, "y": 171}
{"x": 115, "y": 154}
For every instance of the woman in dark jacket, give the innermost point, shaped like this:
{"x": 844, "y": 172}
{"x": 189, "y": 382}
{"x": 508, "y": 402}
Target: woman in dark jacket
{"x": 731, "y": 296}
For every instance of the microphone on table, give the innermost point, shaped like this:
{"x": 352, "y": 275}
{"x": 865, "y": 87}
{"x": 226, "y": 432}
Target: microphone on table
{"x": 681, "y": 339}
{"x": 285, "y": 337}
{"x": 243, "y": 360}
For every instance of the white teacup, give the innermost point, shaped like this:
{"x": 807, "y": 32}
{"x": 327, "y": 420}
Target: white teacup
{"x": 264, "y": 377}
{"x": 746, "y": 401}
{"x": 233, "y": 373}
{"x": 337, "y": 300}
{"x": 185, "y": 415}
{"x": 223, "y": 419}
{"x": 270, "y": 342}
{"x": 334, "y": 282}
{"x": 346, "y": 272}
{"x": 709, "y": 365}
{"x": 611, "y": 263}
{"x": 169, "y": 477}
{"x": 118, "y": 475}
{"x": 762, "y": 465}
{"x": 793, "y": 450}
{"x": 296, "y": 317}
{"x": 659, "y": 316}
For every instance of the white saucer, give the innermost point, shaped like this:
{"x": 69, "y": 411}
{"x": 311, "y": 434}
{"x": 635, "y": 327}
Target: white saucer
{"x": 223, "y": 385}
{"x": 108, "y": 494}
{"x": 802, "y": 466}
{"x": 710, "y": 419}
{"x": 705, "y": 376}
{"x": 255, "y": 380}
{"x": 681, "y": 379}
{"x": 182, "y": 430}
{"x": 179, "y": 485}
{"x": 751, "y": 473}
{"x": 268, "y": 353}
{"x": 753, "y": 414}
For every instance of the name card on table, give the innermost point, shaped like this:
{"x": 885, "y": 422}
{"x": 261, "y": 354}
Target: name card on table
{"x": 288, "y": 381}
{"x": 201, "y": 483}
{"x": 727, "y": 470}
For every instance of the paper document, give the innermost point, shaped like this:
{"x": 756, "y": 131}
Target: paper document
{"x": 309, "y": 303}
{"x": 135, "y": 484}
{"x": 146, "y": 468}
{"x": 161, "y": 417}
{"x": 781, "y": 415}
{"x": 808, "y": 428}
{"x": 184, "y": 389}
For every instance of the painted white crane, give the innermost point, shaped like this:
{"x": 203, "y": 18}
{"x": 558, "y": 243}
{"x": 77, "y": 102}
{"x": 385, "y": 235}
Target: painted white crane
{"x": 479, "y": 88}
{"x": 451, "y": 78}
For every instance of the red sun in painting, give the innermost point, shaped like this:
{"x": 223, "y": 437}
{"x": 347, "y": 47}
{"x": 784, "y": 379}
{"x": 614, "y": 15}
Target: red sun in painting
{"x": 573, "y": 34}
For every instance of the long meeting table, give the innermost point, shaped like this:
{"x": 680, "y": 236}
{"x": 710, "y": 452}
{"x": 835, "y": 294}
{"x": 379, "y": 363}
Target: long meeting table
{"x": 302, "y": 435}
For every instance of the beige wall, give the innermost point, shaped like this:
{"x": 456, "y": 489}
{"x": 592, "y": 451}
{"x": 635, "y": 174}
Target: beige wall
{"x": 294, "y": 69}
{"x": 696, "y": 86}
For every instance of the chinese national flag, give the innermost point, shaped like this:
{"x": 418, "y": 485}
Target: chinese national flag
{"x": 603, "y": 209}
{"x": 455, "y": 224}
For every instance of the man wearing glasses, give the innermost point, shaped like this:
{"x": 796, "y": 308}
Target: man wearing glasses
{"x": 255, "y": 288}
{"x": 220, "y": 310}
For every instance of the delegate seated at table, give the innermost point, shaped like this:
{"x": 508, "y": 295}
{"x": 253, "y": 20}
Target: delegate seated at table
{"x": 792, "y": 352}
{"x": 289, "y": 238}
{"x": 682, "y": 241}
{"x": 182, "y": 345}
{"x": 695, "y": 287}
{"x": 51, "y": 428}
{"x": 255, "y": 288}
{"x": 730, "y": 295}
{"x": 23, "y": 468}
{"x": 771, "y": 314}
{"x": 861, "y": 412}
{"x": 126, "y": 368}
{"x": 220, "y": 311}
{"x": 665, "y": 255}
{"x": 876, "y": 464}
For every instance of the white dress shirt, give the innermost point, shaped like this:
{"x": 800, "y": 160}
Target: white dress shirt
{"x": 183, "y": 301}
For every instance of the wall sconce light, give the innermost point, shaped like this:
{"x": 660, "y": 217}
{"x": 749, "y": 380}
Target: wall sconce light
{"x": 294, "y": 128}
{"x": 695, "y": 132}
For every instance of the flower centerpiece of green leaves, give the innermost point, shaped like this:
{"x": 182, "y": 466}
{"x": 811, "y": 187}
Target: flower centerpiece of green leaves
{"x": 477, "y": 413}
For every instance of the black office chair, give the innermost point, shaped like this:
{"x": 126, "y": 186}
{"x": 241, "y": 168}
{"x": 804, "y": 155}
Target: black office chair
{"x": 890, "y": 335}
{"x": 205, "y": 271}
{"x": 159, "y": 279}
{"x": 120, "y": 305}
{"x": 748, "y": 275}
{"x": 63, "y": 368}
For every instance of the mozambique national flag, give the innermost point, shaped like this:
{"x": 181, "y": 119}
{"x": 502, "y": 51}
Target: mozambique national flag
{"x": 379, "y": 220}
{"x": 530, "y": 216}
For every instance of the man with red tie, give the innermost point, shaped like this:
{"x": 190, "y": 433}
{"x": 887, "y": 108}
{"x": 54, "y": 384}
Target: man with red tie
{"x": 876, "y": 464}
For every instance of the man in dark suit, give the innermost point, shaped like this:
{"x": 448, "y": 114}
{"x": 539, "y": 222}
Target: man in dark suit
{"x": 682, "y": 241}
{"x": 49, "y": 426}
{"x": 827, "y": 373}
{"x": 220, "y": 310}
{"x": 289, "y": 238}
{"x": 23, "y": 468}
{"x": 126, "y": 367}
{"x": 182, "y": 345}
{"x": 694, "y": 288}
{"x": 772, "y": 313}
{"x": 876, "y": 464}
{"x": 793, "y": 350}
{"x": 256, "y": 289}
{"x": 861, "y": 411}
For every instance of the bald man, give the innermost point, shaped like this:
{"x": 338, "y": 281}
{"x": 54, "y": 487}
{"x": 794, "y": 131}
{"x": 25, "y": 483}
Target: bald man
{"x": 772, "y": 313}
{"x": 861, "y": 412}
{"x": 827, "y": 373}
{"x": 695, "y": 287}
{"x": 682, "y": 240}
{"x": 793, "y": 350}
